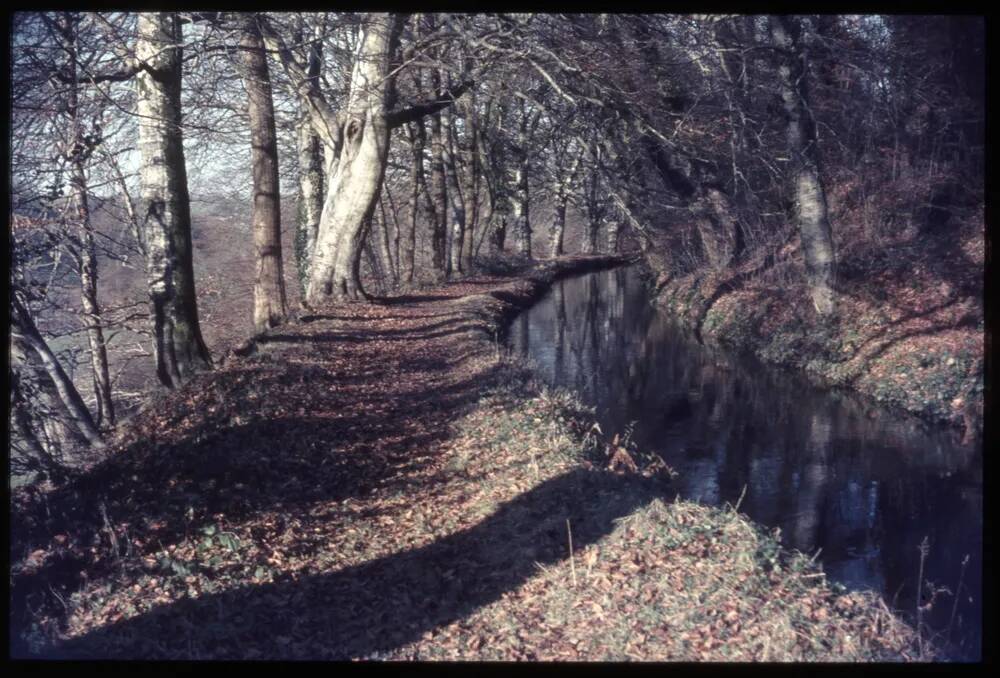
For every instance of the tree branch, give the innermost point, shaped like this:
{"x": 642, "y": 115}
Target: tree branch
{"x": 325, "y": 121}
{"x": 417, "y": 111}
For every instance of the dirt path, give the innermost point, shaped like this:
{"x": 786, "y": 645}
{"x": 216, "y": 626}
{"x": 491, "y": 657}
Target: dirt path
{"x": 244, "y": 482}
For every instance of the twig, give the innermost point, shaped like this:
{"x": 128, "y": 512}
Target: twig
{"x": 739, "y": 501}
{"x": 958, "y": 592}
{"x": 572, "y": 565}
{"x": 924, "y": 549}
{"x": 111, "y": 532}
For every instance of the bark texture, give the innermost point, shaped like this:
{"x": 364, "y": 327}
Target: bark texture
{"x": 311, "y": 180}
{"x": 614, "y": 237}
{"x": 361, "y": 160}
{"x": 270, "y": 305}
{"x": 165, "y": 214}
{"x": 810, "y": 196}
{"x": 311, "y": 160}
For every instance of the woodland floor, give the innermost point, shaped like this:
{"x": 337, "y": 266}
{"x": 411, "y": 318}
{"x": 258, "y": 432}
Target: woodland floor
{"x": 379, "y": 481}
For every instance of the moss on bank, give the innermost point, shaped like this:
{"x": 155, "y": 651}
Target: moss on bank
{"x": 381, "y": 482}
{"x": 906, "y": 336}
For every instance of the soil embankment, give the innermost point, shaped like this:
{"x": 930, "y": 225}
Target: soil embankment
{"x": 379, "y": 481}
{"x": 908, "y": 330}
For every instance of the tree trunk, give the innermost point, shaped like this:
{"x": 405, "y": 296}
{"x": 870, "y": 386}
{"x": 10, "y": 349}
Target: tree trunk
{"x": 91, "y": 306}
{"x": 270, "y": 306}
{"x": 417, "y": 136}
{"x": 589, "y": 245}
{"x": 470, "y": 191}
{"x": 165, "y": 213}
{"x": 311, "y": 164}
{"x": 381, "y": 234}
{"x": 522, "y": 218}
{"x": 25, "y": 336}
{"x": 595, "y": 212}
{"x": 391, "y": 235}
{"x": 310, "y": 198}
{"x": 810, "y": 197}
{"x": 361, "y": 162}
{"x": 614, "y": 236}
{"x": 557, "y": 231}
{"x": 498, "y": 235}
{"x": 80, "y": 153}
{"x": 23, "y": 427}
{"x": 563, "y": 181}
{"x": 456, "y": 199}
{"x": 438, "y": 193}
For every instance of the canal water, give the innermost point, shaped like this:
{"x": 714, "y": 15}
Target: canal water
{"x": 861, "y": 485}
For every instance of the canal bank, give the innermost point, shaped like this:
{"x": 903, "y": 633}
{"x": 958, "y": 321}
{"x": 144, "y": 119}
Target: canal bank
{"x": 855, "y": 486}
{"x": 381, "y": 481}
{"x": 908, "y": 333}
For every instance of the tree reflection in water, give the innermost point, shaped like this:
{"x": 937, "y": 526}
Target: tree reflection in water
{"x": 863, "y": 486}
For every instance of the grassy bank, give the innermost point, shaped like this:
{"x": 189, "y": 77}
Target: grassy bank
{"x": 380, "y": 481}
{"x": 908, "y": 331}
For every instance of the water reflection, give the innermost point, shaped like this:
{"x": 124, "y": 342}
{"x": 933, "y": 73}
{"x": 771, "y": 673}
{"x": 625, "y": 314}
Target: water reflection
{"x": 863, "y": 485}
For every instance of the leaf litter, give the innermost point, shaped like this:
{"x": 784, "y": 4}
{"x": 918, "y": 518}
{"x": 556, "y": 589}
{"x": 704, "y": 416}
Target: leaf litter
{"x": 379, "y": 483}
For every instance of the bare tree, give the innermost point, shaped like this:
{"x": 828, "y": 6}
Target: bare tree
{"x": 270, "y": 306}
{"x": 29, "y": 349}
{"x": 359, "y": 138}
{"x": 165, "y": 211}
{"x": 810, "y": 197}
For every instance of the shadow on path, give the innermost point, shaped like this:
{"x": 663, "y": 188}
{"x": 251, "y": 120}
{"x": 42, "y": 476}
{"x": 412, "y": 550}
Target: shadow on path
{"x": 372, "y": 608}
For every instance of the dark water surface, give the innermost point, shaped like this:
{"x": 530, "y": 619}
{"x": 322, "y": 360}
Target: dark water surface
{"x": 828, "y": 468}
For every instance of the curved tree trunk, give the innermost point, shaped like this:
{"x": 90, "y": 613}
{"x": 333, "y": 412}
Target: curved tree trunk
{"x": 270, "y": 306}
{"x": 166, "y": 213}
{"x": 356, "y": 142}
{"x": 24, "y": 429}
{"x": 25, "y": 337}
{"x": 810, "y": 196}
{"x": 361, "y": 161}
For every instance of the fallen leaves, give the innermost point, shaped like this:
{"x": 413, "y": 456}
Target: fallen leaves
{"x": 345, "y": 446}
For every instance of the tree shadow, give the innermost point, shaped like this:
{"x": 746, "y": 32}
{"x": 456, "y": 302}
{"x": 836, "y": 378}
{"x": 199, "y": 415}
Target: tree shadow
{"x": 456, "y": 325}
{"x": 239, "y": 442}
{"x": 372, "y": 608}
